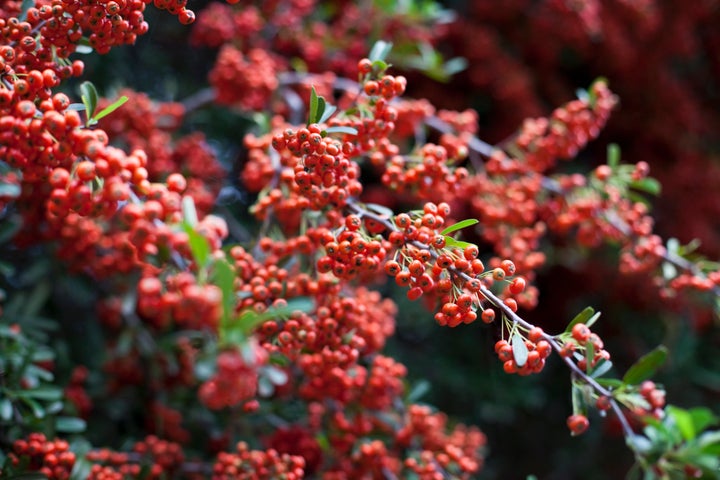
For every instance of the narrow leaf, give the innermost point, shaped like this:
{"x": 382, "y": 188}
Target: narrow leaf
{"x": 451, "y": 242}
{"x": 321, "y": 103}
{"x": 224, "y": 277}
{"x": 613, "y": 155}
{"x": 591, "y": 321}
{"x": 329, "y": 110}
{"x": 189, "y": 212}
{"x": 610, "y": 382}
{"x": 647, "y": 185}
{"x": 43, "y": 392}
{"x": 646, "y": 366}
{"x": 70, "y": 424}
{"x": 6, "y": 409}
{"x": 24, "y": 7}
{"x": 10, "y": 190}
{"x": 418, "y": 391}
{"x": 581, "y": 317}
{"x": 89, "y": 96}
{"x": 380, "y": 50}
{"x": 312, "y": 115}
{"x": 111, "y": 108}
{"x": 520, "y": 351}
{"x": 341, "y": 129}
{"x": 199, "y": 247}
{"x": 459, "y": 225}
{"x": 602, "y": 368}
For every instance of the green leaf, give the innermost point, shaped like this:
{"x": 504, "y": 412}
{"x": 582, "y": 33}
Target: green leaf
{"x": 451, "y": 242}
{"x": 6, "y": 409}
{"x": 380, "y": 50}
{"x": 455, "y": 65}
{"x": 520, "y": 350}
{"x": 24, "y": 7}
{"x": 111, "y": 108}
{"x": 709, "y": 442}
{"x": 601, "y": 368}
{"x": 223, "y": 276}
{"x": 460, "y": 225}
{"x": 37, "y": 410}
{"x": 589, "y": 356}
{"x": 591, "y": 321}
{"x": 702, "y": 418}
{"x": 70, "y": 424}
{"x": 341, "y": 129}
{"x": 28, "y": 476}
{"x": 12, "y": 190}
{"x": 43, "y": 392}
{"x": 683, "y": 420}
{"x": 199, "y": 246}
{"x": 83, "y": 46}
{"x": 418, "y": 391}
{"x": 610, "y": 382}
{"x": 647, "y": 185}
{"x": 613, "y": 155}
{"x": 190, "y": 216}
{"x": 329, "y": 110}
{"x": 314, "y": 106}
{"x": 89, "y": 97}
{"x": 646, "y": 366}
{"x": 581, "y": 317}
{"x": 78, "y": 107}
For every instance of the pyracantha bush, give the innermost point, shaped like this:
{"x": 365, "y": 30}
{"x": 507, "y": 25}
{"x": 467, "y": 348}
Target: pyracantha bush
{"x": 151, "y": 329}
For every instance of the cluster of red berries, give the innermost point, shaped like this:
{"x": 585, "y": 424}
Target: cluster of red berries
{"x": 246, "y": 80}
{"x": 155, "y": 457}
{"x": 246, "y": 464}
{"x": 455, "y": 452}
{"x": 236, "y": 379}
{"x": 428, "y": 173}
{"x": 324, "y": 173}
{"x": 352, "y": 253}
{"x": 538, "y": 350}
{"x": 36, "y": 453}
{"x": 179, "y": 301}
{"x": 655, "y": 398}
{"x": 580, "y": 337}
{"x": 76, "y": 393}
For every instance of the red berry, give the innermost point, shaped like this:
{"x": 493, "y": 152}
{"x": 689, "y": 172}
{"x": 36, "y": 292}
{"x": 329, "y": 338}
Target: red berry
{"x": 577, "y": 424}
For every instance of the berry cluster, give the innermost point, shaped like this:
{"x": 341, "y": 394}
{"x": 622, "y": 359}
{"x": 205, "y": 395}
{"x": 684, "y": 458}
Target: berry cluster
{"x": 246, "y": 80}
{"x": 246, "y": 464}
{"x": 323, "y": 173}
{"x": 51, "y": 458}
{"x": 352, "y": 253}
{"x": 154, "y": 457}
{"x": 236, "y": 380}
{"x": 538, "y": 350}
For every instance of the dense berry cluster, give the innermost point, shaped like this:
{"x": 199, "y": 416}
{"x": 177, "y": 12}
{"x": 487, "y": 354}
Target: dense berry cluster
{"x": 51, "y": 458}
{"x": 246, "y": 464}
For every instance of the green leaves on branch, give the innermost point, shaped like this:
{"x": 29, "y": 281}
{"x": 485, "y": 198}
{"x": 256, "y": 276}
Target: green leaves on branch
{"x": 89, "y": 96}
{"x": 321, "y": 111}
{"x": 450, "y": 241}
{"x": 623, "y": 177}
{"x": 432, "y": 63}
{"x": 677, "y": 446}
{"x": 588, "y": 316}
